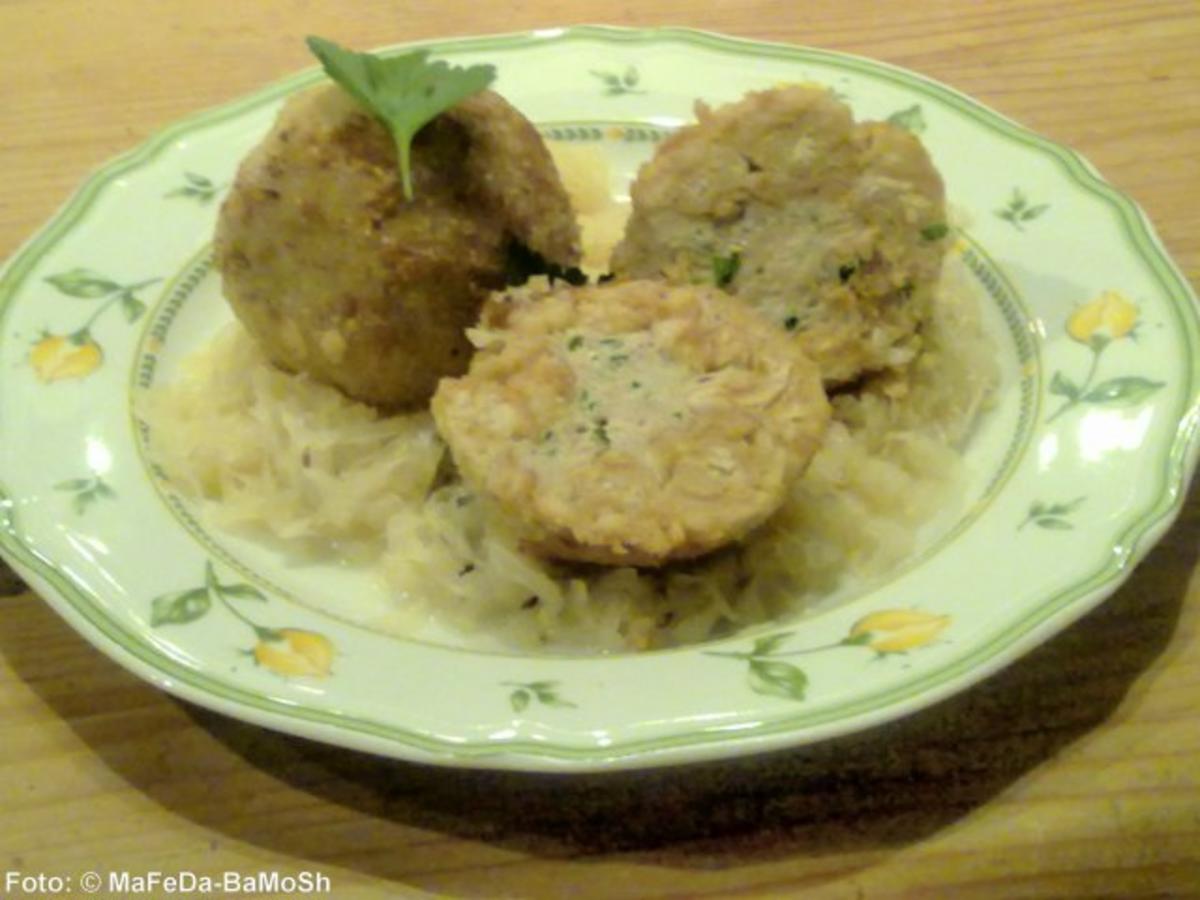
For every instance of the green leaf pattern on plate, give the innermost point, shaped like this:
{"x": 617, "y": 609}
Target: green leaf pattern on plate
{"x": 543, "y": 692}
{"x": 1051, "y": 516}
{"x": 180, "y": 607}
{"x": 618, "y": 83}
{"x": 59, "y": 355}
{"x": 605, "y": 706}
{"x": 196, "y": 187}
{"x": 911, "y": 118}
{"x": 777, "y": 679}
{"x": 1019, "y": 210}
{"x": 86, "y": 490}
{"x": 1097, "y": 324}
{"x": 887, "y": 632}
{"x": 285, "y": 651}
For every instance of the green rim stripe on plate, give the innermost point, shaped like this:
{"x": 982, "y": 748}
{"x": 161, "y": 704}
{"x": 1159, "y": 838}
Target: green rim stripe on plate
{"x": 1133, "y": 226}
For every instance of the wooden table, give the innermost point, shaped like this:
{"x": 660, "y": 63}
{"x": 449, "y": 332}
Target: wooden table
{"x": 1076, "y": 772}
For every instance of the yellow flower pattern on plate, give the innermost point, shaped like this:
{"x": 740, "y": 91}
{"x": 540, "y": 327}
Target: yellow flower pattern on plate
{"x": 1108, "y": 317}
{"x": 294, "y": 651}
{"x": 289, "y": 652}
{"x": 57, "y": 356}
{"x": 888, "y": 632}
{"x": 77, "y": 354}
{"x": 1097, "y": 324}
{"x": 898, "y": 630}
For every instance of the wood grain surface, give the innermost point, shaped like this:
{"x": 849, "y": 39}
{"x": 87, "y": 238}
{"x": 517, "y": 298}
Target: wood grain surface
{"x": 1073, "y": 773}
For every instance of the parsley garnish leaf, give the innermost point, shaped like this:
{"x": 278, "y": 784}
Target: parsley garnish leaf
{"x": 404, "y": 92}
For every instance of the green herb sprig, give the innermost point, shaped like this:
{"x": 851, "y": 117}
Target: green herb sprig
{"x": 404, "y": 92}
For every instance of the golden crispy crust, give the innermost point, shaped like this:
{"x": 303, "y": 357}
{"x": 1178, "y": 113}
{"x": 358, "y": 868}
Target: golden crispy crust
{"x": 837, "y": 227}
{"x": 634, "y": 423}
{"x": 510, "y": 166}
{"x": 338, "y": 276}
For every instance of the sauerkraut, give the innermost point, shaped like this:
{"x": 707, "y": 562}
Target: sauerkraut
{"x": 298, "y": 465}
{"x": 283, "y": 456}
{"x": 295, "y": 462}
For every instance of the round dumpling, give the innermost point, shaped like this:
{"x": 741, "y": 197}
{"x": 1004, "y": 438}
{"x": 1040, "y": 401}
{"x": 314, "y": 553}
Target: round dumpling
{"x": 835, "y": 230}
{"x": 632, "y": 423}
{"x": 337, "y": 275}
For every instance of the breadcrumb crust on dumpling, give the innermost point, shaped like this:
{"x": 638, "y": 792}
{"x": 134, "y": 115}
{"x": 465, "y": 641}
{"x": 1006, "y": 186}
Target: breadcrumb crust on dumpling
{"x": 337, "y": 275}
{"x": 835, "y": 230}
{"x": 632, "y": 423}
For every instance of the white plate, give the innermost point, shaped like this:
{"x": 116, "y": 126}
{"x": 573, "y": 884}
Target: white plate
{"x": 1081, "y": 466}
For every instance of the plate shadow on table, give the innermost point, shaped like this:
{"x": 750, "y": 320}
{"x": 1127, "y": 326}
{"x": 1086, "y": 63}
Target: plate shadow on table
{"x": 10, "y": 581}
{"x": 871, "y": 793}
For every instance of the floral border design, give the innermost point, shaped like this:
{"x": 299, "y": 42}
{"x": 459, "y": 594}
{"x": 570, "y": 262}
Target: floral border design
{"x": 911, "y": 118}
{"x": 1097, "y": 324}
{"x": 544, "y": 693}
{"x": 77, "y": 354}
{"x": 86, "y": 491}
{"x": 617, "y": 84}
{"x": 1019, "y": 210}
{"x": 1051, "y": 516}
{"x": 196, "y": 187}
{"x": 407, "y": 742}
{"x": 287, "y": 651}
{"x": 887, "y": 632}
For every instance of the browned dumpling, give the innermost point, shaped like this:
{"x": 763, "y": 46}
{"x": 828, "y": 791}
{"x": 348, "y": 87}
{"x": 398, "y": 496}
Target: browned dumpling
{"x": 340, "y": 277}
{"x": 833, "y": 230}
{"x": 633, "y": 423}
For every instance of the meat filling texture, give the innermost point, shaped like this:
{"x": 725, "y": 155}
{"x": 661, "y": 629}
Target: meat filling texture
{"x": 634, "y": 423}
{"x": 834, "y": 230}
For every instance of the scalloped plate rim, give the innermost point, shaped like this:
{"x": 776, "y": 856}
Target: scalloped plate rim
{"x": 1137, "y": 535}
